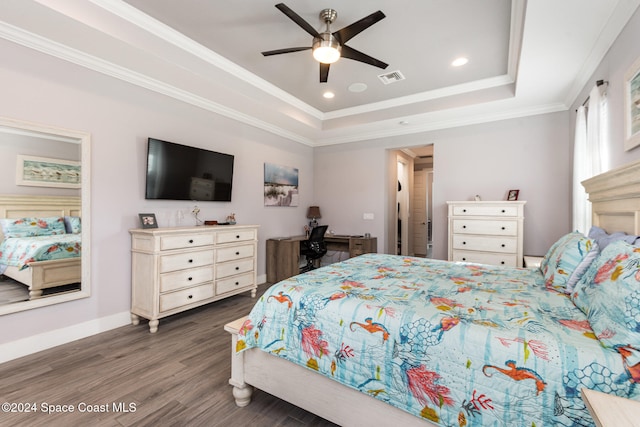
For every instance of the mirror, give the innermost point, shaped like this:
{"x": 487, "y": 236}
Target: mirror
{"x": 45, "y": 172}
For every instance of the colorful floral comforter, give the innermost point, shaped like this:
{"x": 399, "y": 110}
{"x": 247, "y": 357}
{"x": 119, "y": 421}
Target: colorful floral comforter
{"x": 20, "y": 251}
{"x": 458, "y": 344}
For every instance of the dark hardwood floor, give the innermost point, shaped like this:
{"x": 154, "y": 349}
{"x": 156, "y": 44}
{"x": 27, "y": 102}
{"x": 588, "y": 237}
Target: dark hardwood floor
{"x": 175, "y": 377}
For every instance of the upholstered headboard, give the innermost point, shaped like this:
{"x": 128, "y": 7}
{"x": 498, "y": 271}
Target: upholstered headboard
{"x": 615, "y": 199}
{"x": 13, "y": 206}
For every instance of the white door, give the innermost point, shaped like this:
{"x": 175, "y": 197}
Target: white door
{"x": 419, "y": 214}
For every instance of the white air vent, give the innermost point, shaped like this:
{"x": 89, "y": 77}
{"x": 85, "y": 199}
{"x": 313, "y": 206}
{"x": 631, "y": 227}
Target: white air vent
{"x": 392, "y": 77}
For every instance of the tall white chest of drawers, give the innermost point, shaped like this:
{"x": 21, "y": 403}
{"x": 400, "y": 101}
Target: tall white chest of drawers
{"x": 486, "y": 232}
{"x": 179, "y": 268}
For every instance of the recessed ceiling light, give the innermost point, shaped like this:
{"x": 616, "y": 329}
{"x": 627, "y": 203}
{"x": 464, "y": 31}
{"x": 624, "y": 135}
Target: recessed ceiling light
{"x": 459, "y": 61}
{"x": 328, "y": 94}
{"x": 357, "y": 87}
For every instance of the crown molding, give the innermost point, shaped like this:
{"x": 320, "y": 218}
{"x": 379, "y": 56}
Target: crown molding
{"x": 164, "y": 32}
{"x": 66, "y": 53}
{"x": 428, "y": 124}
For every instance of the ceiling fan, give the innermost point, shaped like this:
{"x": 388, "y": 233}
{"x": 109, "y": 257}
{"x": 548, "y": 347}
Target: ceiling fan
{"x": 328, "y": 47}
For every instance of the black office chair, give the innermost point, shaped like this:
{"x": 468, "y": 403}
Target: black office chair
{"x": 314, "y": 248}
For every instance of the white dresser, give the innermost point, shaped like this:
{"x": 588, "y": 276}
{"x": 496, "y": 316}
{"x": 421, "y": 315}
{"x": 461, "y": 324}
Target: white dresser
{"x": 179, "y": 268}
{"x": 486, "y": 232}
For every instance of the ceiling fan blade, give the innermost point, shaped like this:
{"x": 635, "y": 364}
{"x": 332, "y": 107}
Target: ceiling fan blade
{"x": 350, "y": 53}
{"x": 285, "y": 50}
{"x": 297, "y": 19}
{"x": 324, "y": 72}
{"x": 350, "y": 31}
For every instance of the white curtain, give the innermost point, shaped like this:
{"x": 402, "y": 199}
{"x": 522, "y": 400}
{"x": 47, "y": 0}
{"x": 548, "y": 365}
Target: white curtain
{"x": 590, "y": 156}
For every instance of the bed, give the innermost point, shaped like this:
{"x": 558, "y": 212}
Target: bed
{"x": 383, "y": 340}
{"x": 48, "y": 273}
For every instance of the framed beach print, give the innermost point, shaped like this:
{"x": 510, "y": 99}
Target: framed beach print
{"x": 632, "y": 106}
{"x": 280, "y": 185}
{"x": 46, "y": 172}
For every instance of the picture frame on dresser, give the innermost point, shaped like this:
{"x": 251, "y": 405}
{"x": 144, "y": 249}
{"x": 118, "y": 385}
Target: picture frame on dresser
{"x": 148, "y": 220}
{"x": 513, "y": 195}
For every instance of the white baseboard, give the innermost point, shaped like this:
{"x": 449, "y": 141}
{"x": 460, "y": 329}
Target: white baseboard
{"x": 35, "y": 343}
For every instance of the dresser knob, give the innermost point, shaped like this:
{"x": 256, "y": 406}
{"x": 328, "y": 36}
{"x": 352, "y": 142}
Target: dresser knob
{"x": 464, "y": 210}
{"x": 190, "y": 261}
{"x": 503, "y": 228}
{"x": 464, "y": 243}
{"x": 503, "y": 245}
{"x": 190, "y": 240}
{"x": 190, "y": 278}
{"x": 464, "y": 259}
{"x": 237, "y": 253}
{"x": 237, "y": 268}
{"x": 464, "y": 226}
{"x": 503, "y": 211}
{"x": 190, "y": 297}
{"x": 237, "y": 283}
{"x": 502, "y": 262}
{"x": 237, "y": 236}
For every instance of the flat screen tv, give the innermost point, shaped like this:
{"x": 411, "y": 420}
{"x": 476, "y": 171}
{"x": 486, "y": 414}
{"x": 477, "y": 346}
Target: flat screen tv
{"x": 180, "y": 172}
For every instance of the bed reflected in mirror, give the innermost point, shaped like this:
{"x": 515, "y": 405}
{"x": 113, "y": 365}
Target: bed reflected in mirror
{"x": 44, "y": 215}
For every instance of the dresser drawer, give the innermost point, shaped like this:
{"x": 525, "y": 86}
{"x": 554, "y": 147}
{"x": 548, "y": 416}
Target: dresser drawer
{"x": 235, "y": 252}
{"x": 184, "y": 241}
{"x": 485, "y": 243}
{"x": 186, "y": 296}
{"x": 508, "y": 260}
{"x": 478, "y": 226}
{"x": 183, "y": 278}
{"x": 233, "y": 267}
{"x": 235, "y": 236}
{"x": 234, "y": 283}
{"x": 481, "y": 210}
{"x": 185, "y": 260}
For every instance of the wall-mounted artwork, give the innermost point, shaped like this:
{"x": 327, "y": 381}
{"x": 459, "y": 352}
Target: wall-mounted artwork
{"x": 280, "y": 185}
{"x": 46, "y": 172}
{"x": 632, "y": 106}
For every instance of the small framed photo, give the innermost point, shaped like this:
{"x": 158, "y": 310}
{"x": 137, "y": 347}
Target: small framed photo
{"x": 632, "y": 106}
{"x": 148, "y": 220}
{"x": 513, "y": 195}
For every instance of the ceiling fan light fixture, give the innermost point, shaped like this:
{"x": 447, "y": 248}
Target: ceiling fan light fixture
{"x": 326, "y": 48}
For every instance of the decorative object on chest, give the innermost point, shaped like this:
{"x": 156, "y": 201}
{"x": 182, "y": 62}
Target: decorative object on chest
{"x": 179, "y": 268}
{"x": 486, "y": 232}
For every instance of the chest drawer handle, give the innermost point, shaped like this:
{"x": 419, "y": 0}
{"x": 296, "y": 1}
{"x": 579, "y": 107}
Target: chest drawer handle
{"x": 237, "y": 252}
{"x": 464, "y": 243}
{"x": 237, "y": 283}
{"x": 464, "y": 259}
{"x": 190, "y": 240}
{"x": 190, "y": 261}
{"x": 503, "y": 211}
{"x": 237, "y": 268}
{"x": 504, "y": 228}
{"x": 190, "y": 297}
{"x": 464, "y": 210}
{"x": 189, "y": 278}
{"x": 464, "y": 226}
{"x": 503, "y": 245}
{"x": 237, "y": 236}
{"x": 502, "y": 262}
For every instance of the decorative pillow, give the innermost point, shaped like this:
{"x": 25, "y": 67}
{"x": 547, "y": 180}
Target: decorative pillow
{"x": 72, "y": 224}
{"x": 603, "y": 239}
{"x": 567, "y": 260}
{"x": 29, "y": 227}
{"x": 609, "y": 294}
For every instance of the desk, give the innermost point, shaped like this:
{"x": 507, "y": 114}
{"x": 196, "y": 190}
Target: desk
{"x": 283, "y": 253}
